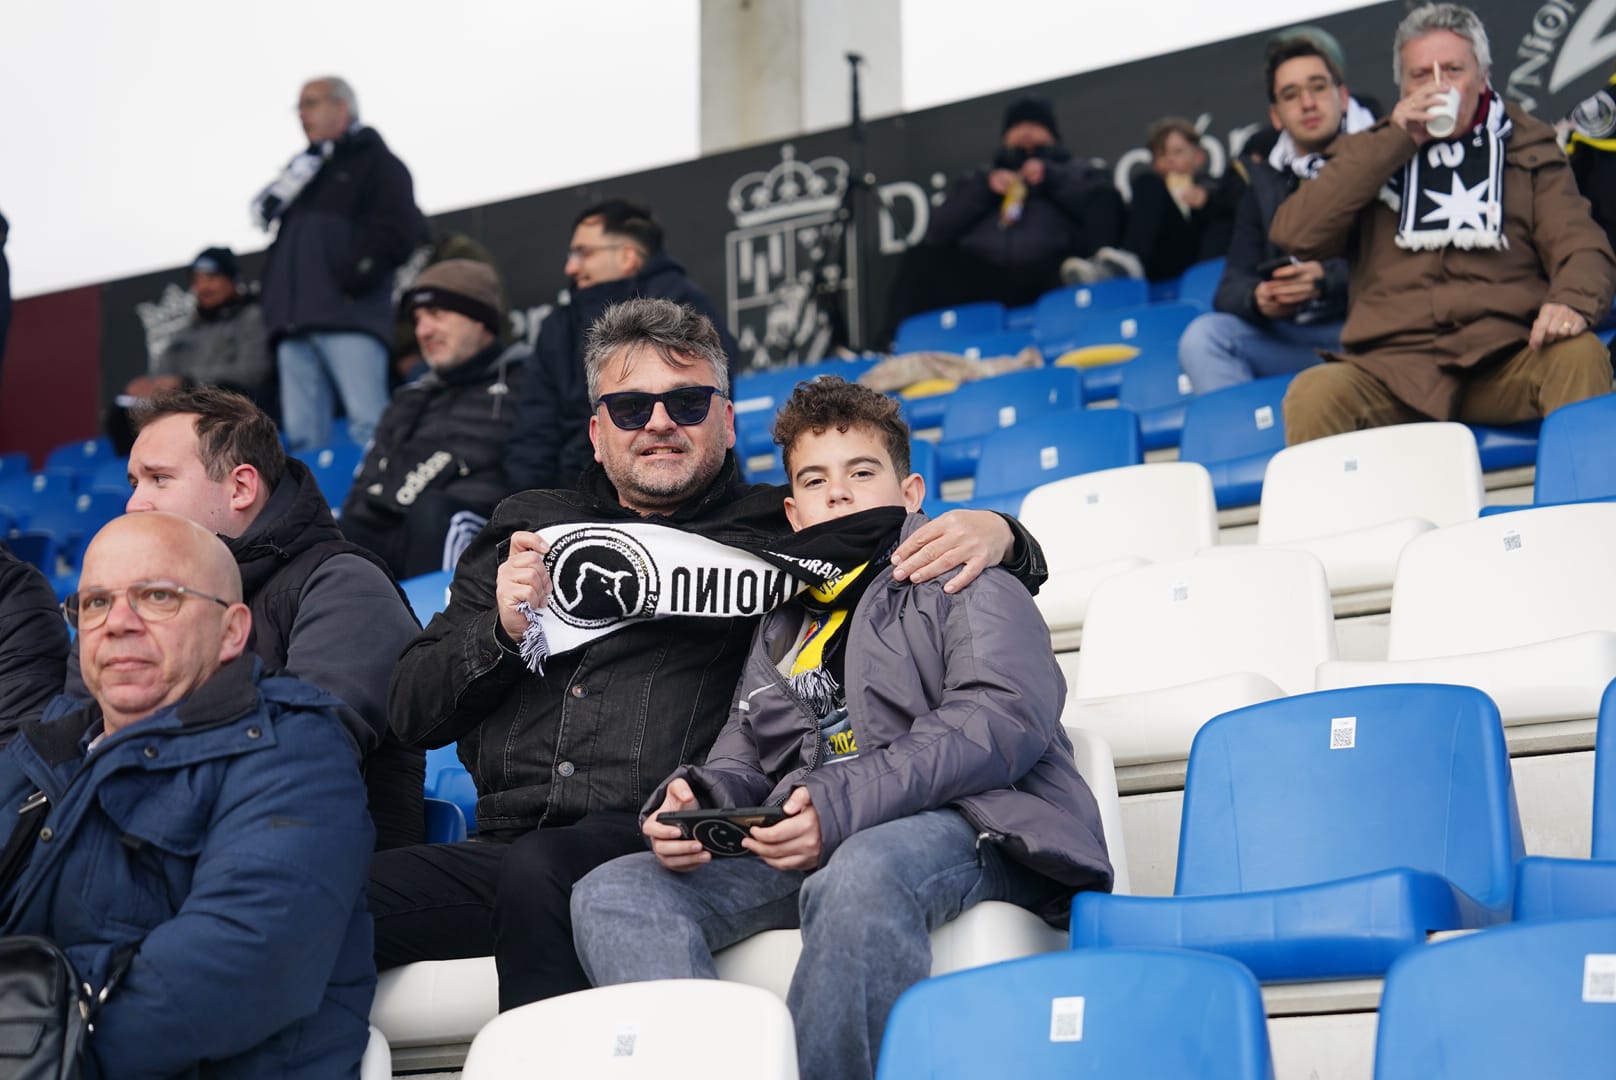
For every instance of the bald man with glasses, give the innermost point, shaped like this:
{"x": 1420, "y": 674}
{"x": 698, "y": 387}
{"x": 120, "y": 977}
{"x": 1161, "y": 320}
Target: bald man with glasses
{"x": 195, "y": 837}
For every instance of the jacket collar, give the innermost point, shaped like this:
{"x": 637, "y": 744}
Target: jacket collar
{"x": 232, "y": 692}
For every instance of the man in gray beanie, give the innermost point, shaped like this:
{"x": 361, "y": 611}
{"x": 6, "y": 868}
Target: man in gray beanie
{"x": 436, "y": 468}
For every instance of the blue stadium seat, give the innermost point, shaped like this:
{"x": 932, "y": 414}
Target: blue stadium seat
{"x": 444, "y": 822}
{"x": 37, "y": 547}
{"x": 1536, "y": 999}
{"x": 447, "y": 779}
{"x": 1233, "y": 433}
{"x": 333, "y": 468}
{"x": 1058, "y": 311}
{"x": 949, "y": 329}
{"x": 1199, "y": 284}
{"x": 81, "y": 456}
{"x": 923, "y": 460}
{"x": 1149, "y": 328}
{"x": 1052, "y": 447}
{"x": 24, "y": 489}
{"x": 1547, "y": 888}
{"x": 1021, "y": 318}
{"x": 428, "y": 593}
{"x": 109, "y": 473}
{"x": 980, "y": 408}
{"x": 13, "y": 464}
{"x": 1167, "y": 1014}
{"x": 73, "y": 519}
{"x": 1508, "y": 447}
{"x": 1325, "y": 834}
{"x": 1576, "y": 453}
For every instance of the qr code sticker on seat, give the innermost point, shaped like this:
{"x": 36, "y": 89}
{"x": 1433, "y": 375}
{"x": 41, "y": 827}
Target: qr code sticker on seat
{"x": 623, "y": 1043}
{"x": 1066, "y": 1019}
{"x": 1343, "y": 732}
{"x": 1599, "y": 978}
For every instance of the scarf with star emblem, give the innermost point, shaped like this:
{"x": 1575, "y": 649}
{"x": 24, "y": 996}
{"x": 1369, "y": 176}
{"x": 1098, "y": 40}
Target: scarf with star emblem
{"x": 1451, "y": 192}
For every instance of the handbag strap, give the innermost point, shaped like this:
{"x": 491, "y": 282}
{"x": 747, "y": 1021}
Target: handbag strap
{"x": 21, "y": 844}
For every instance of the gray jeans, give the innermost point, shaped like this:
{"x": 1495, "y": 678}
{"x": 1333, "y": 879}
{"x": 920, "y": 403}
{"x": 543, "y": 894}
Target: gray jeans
{"x": 866, "y": 918}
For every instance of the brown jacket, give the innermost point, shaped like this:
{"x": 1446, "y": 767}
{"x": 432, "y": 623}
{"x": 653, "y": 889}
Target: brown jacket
{"x": 1417, "y": 320}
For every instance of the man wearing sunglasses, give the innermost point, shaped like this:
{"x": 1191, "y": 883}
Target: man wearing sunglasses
{"x": 615, "y": 254}
{"x": 563, "y": 757}
{"x": 197, "y": 826}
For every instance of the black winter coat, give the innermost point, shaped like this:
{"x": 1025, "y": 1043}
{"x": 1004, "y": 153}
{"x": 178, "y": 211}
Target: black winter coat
{"x": 444, "y": 432}
{"x": 33, "y": 644}
{"x": 550, "y": 446}
{"x": 1249, "y": 247}
{"x": 332, "y": 263}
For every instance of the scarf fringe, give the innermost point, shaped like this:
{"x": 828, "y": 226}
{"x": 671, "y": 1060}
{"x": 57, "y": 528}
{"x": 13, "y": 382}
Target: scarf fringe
{"x": 1468, "y": 239}
{"x": 535, "y": 648}
{"x": 817, "y": 689}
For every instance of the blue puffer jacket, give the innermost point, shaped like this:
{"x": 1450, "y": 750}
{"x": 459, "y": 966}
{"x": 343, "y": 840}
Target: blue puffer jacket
{"x": 227, "y": 836}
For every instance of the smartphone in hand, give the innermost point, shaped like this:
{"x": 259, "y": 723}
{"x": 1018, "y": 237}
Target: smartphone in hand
{"x": 721, "y": 831}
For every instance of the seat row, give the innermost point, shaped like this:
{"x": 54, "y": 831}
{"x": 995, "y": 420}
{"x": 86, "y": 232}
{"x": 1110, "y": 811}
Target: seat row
{"x": 1324, "y": 836}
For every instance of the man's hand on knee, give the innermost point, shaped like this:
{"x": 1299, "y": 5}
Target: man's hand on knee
{"x": 1555, "y": 322}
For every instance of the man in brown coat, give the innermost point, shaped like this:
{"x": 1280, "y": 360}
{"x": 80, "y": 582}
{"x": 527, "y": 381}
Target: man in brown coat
{"x": 1477, "y": 270}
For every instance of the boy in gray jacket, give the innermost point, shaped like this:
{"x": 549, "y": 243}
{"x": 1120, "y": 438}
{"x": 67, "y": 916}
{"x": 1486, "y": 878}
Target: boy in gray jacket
{"x": 910, "y": 734}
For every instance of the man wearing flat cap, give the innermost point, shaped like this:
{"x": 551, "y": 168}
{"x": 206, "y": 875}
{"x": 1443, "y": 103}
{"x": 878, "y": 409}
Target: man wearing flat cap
{"x": 436, "y": 468}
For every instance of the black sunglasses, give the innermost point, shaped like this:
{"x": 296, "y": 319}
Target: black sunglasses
{"x": 632, "y": 409}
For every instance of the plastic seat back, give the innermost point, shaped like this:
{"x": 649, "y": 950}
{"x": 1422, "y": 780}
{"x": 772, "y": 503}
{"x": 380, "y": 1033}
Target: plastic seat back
{"x": 1505, "y": 580}
{"x": 1054, "y": 446}
{"x": 947, "y": 329}
{"x": 1234, "y": 432}
{"x": 81, "y": 456}
{"x": 1161, "y": 512}
{"x": 979, "y": 408}
{"x": 1168, "y": 1014}
{"x": 1226, "y": 611}
{"x": 643, "y": 1029}
{"x": 1099, "y": 771}
{"x": 1604, "y": 846}
{"x": 1059, "y": 310}
{"x": 1365, "y": 478}
{"x": 1576, "y": 452}
{"x": 1532, "y": 999}
{"x": 334, "y": 468}
{"x": 428, "y": 593}
{"x": 1337, "y": 783}
{"x": 1199, "y": 284}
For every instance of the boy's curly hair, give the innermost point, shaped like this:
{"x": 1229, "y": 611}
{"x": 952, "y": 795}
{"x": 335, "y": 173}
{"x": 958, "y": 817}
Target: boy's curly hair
{"x": 832, "y": 402}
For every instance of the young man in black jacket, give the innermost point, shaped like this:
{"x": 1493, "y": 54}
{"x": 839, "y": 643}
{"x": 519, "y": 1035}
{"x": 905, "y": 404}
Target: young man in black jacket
{"x": 615, "y": 255}
{"x": 436, "y": 468}
{"x": 1273, "y": 313}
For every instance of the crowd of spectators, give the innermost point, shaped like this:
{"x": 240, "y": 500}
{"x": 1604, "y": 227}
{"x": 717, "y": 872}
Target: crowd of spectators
{"x": 249, "y": 696}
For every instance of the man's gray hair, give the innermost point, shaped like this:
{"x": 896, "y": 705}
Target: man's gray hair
{"x": 339, "y": 90}
{"x": 679, "y": 334}
{"x": 1452, "y": 17}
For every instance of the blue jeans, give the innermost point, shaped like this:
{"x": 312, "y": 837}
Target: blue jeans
{"x": 310, "y": 364}
{"x": 866, "y": 919}
{"x": 1219, "y": 350}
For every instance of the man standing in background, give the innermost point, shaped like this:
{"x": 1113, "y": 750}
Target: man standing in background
{"x": 345, "y": 219}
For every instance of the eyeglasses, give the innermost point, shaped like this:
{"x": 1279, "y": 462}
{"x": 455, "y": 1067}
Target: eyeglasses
{"x": 153, "y": 601}
{"x": 583, "y": 251}
{"x": 632, "y": 409}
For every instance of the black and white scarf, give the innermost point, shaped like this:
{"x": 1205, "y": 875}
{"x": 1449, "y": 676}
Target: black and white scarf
{"x": 606, "y": 576}
{"x": 272, "y": 202}
{"x": 1457, "y": 186}
{"x": 1284, "y": 158}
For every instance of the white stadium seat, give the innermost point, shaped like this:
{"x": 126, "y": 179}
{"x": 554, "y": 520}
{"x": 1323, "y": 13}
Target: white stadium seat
{"x": 1520, "y": 605}
{"x": 645, "y": 1029}
{"x": 1101, "y": 524}
{"x": 1169, "y": 646}
{"x": 1354, "y": 500}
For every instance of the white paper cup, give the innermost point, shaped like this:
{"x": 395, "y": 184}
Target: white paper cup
{"x": 1444, "y": 115}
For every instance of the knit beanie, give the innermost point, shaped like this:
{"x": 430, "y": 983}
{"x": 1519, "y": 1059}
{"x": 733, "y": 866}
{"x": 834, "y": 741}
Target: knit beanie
{"x": 217, "y": 260}
{"x": 461, "y": 285}
{"x": 1031, "y": 109}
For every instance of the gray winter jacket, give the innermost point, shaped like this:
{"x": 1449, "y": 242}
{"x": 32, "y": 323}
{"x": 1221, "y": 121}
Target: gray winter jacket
{"x": 225, "y": 347}
{"x": 954, "y": 701}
